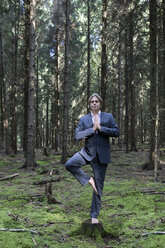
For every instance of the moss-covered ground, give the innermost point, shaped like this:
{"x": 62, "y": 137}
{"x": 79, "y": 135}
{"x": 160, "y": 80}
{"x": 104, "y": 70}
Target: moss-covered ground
{"x": 133, "y": 205}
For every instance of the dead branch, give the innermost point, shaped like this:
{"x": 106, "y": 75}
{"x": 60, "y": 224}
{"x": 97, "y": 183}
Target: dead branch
{"x": 153, "y": 193}
{"x": 48, "y": 181}
{"x": 34, "y": 241}
{"x": 18, "y": 218}
{"x": 18, "y": 230}
{"x": 9, "y": 177}
{"x": 157, "y": 232}
{"x": 58, "y": 222}
{"x": 14, "y": 217}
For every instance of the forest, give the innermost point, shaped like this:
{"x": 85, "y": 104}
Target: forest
{"x": 53, "y": 55}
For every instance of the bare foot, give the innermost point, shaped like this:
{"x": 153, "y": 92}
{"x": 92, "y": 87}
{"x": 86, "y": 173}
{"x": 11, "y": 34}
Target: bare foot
{"x": 94, "y": 221}
{"x": 92, "y": 183}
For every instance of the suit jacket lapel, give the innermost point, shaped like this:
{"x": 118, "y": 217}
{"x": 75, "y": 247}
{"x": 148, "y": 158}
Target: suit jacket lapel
{"x": 90, "y": 119}
{"x": 101, "y": 118}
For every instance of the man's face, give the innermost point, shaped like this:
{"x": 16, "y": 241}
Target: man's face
{"x": 94, "y": 104}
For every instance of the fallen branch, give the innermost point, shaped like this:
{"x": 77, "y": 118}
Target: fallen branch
{"x": 58, "y": 222}
{"x": 14, "y": 217}
{"x": 17, "y": 217}
{"x": 9, "y": 177}
{"x": 48, "y": 181}
{"x": 34, "y": 241}
{"x": 153, "y": 193}
{"x": 157, "y": 232}
{"x": 18, "y": 230}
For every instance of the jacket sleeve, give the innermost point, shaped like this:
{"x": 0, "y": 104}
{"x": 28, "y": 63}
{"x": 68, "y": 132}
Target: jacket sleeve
{"x": 112, "y": 130}
{"x": 81, "y": 132}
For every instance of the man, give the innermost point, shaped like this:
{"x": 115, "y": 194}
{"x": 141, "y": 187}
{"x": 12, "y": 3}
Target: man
{"x": 96, "y": 128}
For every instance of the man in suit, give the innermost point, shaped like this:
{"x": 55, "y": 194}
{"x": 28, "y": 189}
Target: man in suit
{"x": 96, "y": 128}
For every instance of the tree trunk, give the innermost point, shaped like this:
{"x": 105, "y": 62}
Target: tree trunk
{"x": 157, "y": 116}
{"x": 4, "y": 112}
{"x": 30, "y": 153}
{"x": 153, "y": 68}
{"x": 132, "y": 84}
{"x": 89, "y": 54}
{"x": 162, "y": 85}
{"x": 1, "y": 89}
{"x": 65, "y": 87}
{"x": 26, "y": 64}
{"x": 141, "y": 123}
{"x": 47, "y": 118}
{"x": 119, "y": 91}
{"x": 15, "y": 33}
{"x": 58, "y": 23}
{"x": 56, "y": 94}
{"x": 37, "y": 107}
{"x": 104, "y": 54}
{"x": 5, "y": 117}
{"x": 126, "y": 90}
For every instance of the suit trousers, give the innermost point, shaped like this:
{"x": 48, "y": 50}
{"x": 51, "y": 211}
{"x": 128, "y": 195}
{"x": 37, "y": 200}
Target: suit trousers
{"x": 74, "y": 164}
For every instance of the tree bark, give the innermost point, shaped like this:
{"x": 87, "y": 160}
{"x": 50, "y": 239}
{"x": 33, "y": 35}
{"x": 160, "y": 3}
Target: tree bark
{"x": 104, "y": 54}
{"x": 38, "y": 143}
{"x": 153, "y": 68}
{"x": 1, "y": 89}
{"x": 126, "y": 90}
{"x": 132, "y": 83}
{"x": 4, "y": 112}
{"x": 65, "y": 87}
{"x": 30, "y": 153}
{"x": 119, "y": 90}
{"x": 162, "y": 84}
{"x": 15, "y": 33}
{"x": 55, "y": 121}
{"x": 157, "y": 116}
{"x": 26, "y": 72}
{"x": 5, "y": 117}
{"x": 89, "y": 54}
{"x": 47, "y": 118}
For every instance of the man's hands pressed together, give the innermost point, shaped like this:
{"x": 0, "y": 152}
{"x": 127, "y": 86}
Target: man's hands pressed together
{"x": 96, "y": 123}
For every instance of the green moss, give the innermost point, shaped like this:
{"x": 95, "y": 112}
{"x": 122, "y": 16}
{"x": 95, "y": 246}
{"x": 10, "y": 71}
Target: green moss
{"x": 128, "y": 210}
{"x": 43, "y": 162}
{"x": 16, "y": 240}
{"x": 2, "y": 163}
{"x": 152, "y": 241}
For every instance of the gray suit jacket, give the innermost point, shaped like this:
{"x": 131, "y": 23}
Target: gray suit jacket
{"x": 97, "y": 142}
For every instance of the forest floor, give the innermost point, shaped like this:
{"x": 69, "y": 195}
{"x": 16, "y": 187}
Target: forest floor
{"x": 133, "y": 204}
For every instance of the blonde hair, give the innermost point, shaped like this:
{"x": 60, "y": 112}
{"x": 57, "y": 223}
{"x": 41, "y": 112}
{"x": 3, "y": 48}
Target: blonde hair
{"x": 96, "y": 95}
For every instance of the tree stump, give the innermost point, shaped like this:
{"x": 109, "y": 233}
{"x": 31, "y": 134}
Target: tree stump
{"x": 45, "y": 151}
{"x": 92, "y": 230}
{"x": 95, "y": 231}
